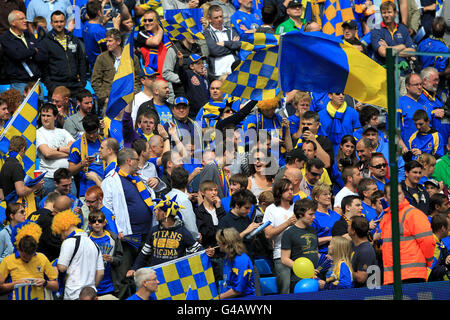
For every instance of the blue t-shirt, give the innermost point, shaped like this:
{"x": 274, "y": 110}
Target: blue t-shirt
{"x": 323, "y": 223}
{"x": 406, "y": 108}
{"x": 165, "y": 115}
{"x": 431, "y": 143}
{"x": 139, "y": 212}
{"x": 350, "y": 122}
{"x": 238, "y": 274}
{"x": 94, "y": 36}
{"x": 248, "y": 20}
{"x": 96, "y": 166}
{"x": 106, "y": 245}
{"x": 344, "y": 275}
{"x": 432, "y": 44}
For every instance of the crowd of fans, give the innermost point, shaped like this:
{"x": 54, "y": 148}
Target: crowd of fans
{"x": 186, "y": 167}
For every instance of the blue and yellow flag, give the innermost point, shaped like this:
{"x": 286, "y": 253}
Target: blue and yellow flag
{"x": 334, "y": 14}
{"x": 23, "y": 123}
{"x": 183, "y": 23}
{"x": 317, "y": 62}
{"x": 256, "y": 77}
{"x": 122, "y": 89}
{"x": 192, "y": 273}
{"x": 439, "y": 5}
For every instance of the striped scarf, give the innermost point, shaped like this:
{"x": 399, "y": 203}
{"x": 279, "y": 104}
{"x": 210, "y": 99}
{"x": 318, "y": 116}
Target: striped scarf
{"x": 137, "y": 181}
{"x": 84, "y": 149}
{"x": 337, "y": 128}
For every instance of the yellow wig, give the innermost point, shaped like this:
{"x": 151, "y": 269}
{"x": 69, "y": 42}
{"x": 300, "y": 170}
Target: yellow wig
{"x": 64, "y": 220}
{"x": 268, "y": 104}
{"x": 26, "y": 228}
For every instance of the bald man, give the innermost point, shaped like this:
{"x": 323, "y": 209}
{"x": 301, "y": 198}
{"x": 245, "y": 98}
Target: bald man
{"x": 64, "y": 203}
{"x": 294, "y": 175}
{"x": 159, "y": 103}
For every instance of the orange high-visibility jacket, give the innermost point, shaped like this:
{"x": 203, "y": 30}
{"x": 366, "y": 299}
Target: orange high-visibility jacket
{"x": 416, "y": 243}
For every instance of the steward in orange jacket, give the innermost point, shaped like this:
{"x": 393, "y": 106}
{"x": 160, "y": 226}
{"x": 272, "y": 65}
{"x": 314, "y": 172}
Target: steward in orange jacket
{"x": 416, "y": 242}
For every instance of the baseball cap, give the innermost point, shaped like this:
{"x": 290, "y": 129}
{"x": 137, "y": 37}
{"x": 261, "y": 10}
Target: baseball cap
{"x": 148, "y": 72}
{"x": 297, "y": 153}
{"x": 369, "y": 127}
{"x": 294, "y": 3}
{"x": 194, "y": 58}
{"x": 433, "y": 182}
{"x": 179, "y": 100}
{"x": 349, "y": 24}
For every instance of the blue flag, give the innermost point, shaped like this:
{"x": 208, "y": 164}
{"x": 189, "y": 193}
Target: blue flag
{"x": 122, "y": 89}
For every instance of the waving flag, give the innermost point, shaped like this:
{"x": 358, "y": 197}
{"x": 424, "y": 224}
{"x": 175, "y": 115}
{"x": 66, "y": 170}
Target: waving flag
{"x": 190, "y": 277}
{"x": 256, "y": 77}
{"x": 317, "y": 62}
{"x": 23, "y": 123}
{"x": 122, "y": 89}
{"x": 183, "y": 23}
{"x": 334, "y": 14}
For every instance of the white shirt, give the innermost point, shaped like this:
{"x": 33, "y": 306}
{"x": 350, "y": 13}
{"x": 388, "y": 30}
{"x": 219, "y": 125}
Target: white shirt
{"x": 341, "y": 195}
{"x": 222, "y": 64}
{"x": 139, "y": 99}
{"x": 85, "y": 264}
{"x": 277, "y": 215}
{"x": 53, "y": 138}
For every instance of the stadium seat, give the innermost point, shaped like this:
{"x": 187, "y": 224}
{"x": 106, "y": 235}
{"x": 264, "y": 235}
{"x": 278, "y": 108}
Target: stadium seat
{"x": 263, "y": 267}
{"x": 268, "y": 285}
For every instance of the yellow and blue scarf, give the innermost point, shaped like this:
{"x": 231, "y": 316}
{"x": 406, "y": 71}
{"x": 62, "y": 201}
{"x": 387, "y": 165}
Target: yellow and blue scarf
{"x": 336, "y": 124}
{"x": 137, "y": 181}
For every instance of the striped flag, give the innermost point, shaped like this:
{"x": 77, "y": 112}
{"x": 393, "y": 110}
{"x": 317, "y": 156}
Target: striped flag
{"x": 334, "y": 14}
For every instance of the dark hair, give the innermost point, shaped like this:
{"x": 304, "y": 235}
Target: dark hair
{"x": 269, "y": 14}
{"x": 303, "y": 205}
{"x": 88, "y": 291}
{"x": 92, "y": 9}
{"x": 438, "y": 27}
{"x": 179, "y": 177}
{"x": 314, "y": 162}
{"x": 115, "y": 34}
{"x": 84, "y": 93}
{"x": 366, "y": 113}
{"x": 165, "y": 158}
{"x": 48, "y": 106}
{"x": 345, "y": 139}
{"x": 363, "y": 186}
{"x": 420, "y": 115}
{"x": 57, "y": 13}
{"x": 437, "y": 199}
{"x": 347, "y": 172}
{"x": 310, "y": 142}
{"x": 17, "y": 143}
{"x": 311, "y": 115}
{"x": 241, "y": 179}
{"x": 409, "y": 75}
{"x": 96, "y": 214}
{"x": 242, "y": 197}
{"x": 375, "y": 196}
{"x": 387, "y": 5}
{"x": 140, "y": 145}
{"x": 413, "y": 164}
{"x": 347, "y": 201}
{"x": 90, "y": 122}
{"x": 438, "y": 221}
{"x": 214, "y": 7}
{"x": 278, "y": 188}
{"x": 361, "y": 226}
{"x": 11, "y": 208}
{"x": 28, "y": 245}
{"x": 61, "y": 173}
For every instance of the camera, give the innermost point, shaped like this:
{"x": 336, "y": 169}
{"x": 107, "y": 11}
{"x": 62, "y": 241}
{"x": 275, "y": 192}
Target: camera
{"x": 345, "y": 162}
{"x": 305, "y": 129}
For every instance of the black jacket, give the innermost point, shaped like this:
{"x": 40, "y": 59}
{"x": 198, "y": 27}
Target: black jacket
{"x": 206, "y": 226}
{"x": 64, "y": 67}
{"x": 420, "y": 200}
{"x": 15, "y": 53}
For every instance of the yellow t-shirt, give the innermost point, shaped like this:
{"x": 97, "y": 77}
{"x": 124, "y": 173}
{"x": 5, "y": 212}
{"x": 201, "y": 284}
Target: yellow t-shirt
{"x": 38, "y": 266}
{"x": 325, "y": 177}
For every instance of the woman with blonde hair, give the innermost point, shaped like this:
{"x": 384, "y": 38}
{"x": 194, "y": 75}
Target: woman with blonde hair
{"x": 340, "y": 275}
{"x": 325, "y": 217}
{"x": 238, "y": 274}
{"x": 428, "y": 162}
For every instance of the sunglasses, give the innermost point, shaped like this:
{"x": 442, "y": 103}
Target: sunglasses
{"x": 149, "y": 20}
{"x": 94, "y": 220}
{"x": 379, "y": 166}
{"x": 339, "y": 93}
